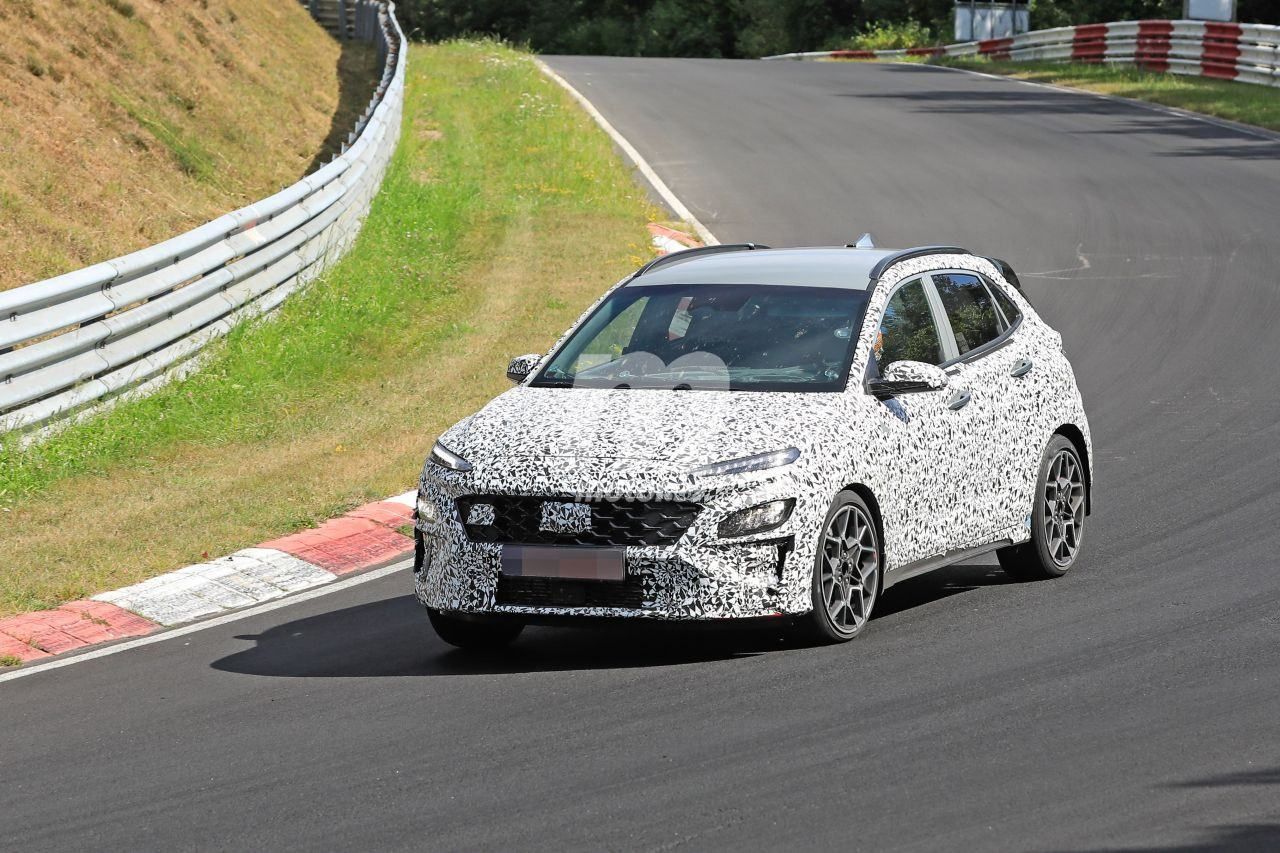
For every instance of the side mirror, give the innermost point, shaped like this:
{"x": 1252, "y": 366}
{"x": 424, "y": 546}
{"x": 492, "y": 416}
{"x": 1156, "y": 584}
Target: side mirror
{"x": 908, "y": 377}
{"x": 521, "y": 366}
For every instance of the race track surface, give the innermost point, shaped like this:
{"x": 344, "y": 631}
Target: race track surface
{"x": 1133, "y": 704}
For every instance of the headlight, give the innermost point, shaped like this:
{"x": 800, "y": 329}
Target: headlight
{"x": 756, "y": 519}
{"x": 446, "y": 458}
{"x": 759, "y": 462}
{"x": 427, "y": 510}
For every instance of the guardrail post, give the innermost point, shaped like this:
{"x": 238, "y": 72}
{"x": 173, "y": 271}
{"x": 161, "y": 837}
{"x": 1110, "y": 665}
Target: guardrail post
{"x": 381, "y": 38}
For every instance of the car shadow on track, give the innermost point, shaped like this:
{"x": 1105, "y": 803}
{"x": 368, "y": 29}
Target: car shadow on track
{"x": 1257, "y": 776}
{"x": 1249, "y": 837}
{"x": 391, "y": 638}
{"x": 1236, "y": 836}
{"x": 1130, "y": 119}
{"x": 939, "y": 584}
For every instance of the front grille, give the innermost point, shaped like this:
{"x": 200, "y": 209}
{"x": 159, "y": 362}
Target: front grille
{"x": 518, "y": 520}
{"x": 555, "y": 592}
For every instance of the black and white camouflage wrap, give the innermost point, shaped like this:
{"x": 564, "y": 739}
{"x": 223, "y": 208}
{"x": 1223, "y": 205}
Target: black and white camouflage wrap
{"x": 942, "y": 479}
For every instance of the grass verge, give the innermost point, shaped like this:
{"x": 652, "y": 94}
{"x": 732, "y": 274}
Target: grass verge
{"x": 503, "y": 214}
{"x": 1243, "y": 102}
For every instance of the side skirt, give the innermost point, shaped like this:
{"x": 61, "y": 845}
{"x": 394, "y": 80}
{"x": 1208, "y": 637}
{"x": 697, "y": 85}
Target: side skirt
{"x": 928, "y": 564}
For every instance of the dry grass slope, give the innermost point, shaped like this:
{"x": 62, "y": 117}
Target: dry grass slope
{"x": 125, "y": 122}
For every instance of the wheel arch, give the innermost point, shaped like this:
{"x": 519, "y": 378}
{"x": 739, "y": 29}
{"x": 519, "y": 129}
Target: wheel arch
{"x": 877, "y": 516}
{"x": 1073, "y": 434}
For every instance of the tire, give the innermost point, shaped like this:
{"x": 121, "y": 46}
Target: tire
{"x": 474, "y": 632}
{"x": 846, "y": 572}
{"x": 1057, "y": 517}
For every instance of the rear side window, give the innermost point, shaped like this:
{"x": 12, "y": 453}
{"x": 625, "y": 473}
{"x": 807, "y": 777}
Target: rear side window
{"x": 970, "y": 309}
{"x": 908, "y": 332}
{"x": 1010, "y": 311}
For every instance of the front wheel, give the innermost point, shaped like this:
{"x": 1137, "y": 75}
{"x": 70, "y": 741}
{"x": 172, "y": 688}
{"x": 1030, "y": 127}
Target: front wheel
{"x": 1057, "y": 518}
{"x": 846, "y": 573}
{"x": 473, "y": 632}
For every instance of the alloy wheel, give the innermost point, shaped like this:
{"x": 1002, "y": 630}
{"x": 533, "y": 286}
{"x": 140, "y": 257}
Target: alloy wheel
{"x": 850, "y": 565}
{"x": 1064, "y": 507}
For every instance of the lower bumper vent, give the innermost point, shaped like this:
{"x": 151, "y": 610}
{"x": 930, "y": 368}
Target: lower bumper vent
{"x": 555, "y": 592}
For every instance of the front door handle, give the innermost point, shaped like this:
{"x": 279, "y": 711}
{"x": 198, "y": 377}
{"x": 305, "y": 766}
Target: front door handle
{"x": 959, "y": 399}
{"x": 1021, "y": 367}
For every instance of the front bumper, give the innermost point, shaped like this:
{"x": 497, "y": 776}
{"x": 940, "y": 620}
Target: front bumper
{"x": 699, "y": 577}
{"x": 741, "y": 581}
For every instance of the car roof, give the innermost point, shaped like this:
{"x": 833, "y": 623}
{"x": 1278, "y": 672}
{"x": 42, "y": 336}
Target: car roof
{"x": 808, "y": 266}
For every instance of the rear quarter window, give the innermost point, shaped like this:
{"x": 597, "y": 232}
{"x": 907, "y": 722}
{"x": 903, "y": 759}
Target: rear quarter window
{"x": 1010, "y": 311}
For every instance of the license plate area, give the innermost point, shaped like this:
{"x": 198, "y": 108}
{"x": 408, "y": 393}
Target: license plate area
{"x": 564, "y": 562}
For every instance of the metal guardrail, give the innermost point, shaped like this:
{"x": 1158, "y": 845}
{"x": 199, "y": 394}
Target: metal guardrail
{"x": 71, "y": 344}
{"x": 1249, "y": 53}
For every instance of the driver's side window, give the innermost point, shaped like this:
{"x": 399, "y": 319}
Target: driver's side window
{"x": 908, "y": 332}
{"x": 612, "y": 341}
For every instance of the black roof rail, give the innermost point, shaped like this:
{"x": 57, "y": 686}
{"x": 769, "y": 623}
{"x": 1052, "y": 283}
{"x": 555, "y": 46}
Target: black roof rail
{"x": 888, "y": 260}
{"x": 685, "y": 254}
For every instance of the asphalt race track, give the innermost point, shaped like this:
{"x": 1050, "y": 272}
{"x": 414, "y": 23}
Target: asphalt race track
{"x": 1133, "y": 704}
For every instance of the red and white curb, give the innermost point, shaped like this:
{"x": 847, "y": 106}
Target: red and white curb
{"x": 72, "y": 626}
{"x": 365, "y": 538}
{"x": 1249, "y": 53}
{"x": 667, "y": 240}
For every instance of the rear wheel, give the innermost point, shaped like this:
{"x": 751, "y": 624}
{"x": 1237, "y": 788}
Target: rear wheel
{"x": 846, "y": 573}
{"x": 1057, "y": 518}
{"x": 474, "y": 632}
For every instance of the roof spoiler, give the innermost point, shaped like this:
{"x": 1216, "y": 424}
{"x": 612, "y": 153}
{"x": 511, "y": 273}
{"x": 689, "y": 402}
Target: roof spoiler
{"x": 1009, "y": 275}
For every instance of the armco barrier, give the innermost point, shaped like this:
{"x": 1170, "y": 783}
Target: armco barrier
{"x": 70, "y": 343}
{"x": 1249, "y": 53}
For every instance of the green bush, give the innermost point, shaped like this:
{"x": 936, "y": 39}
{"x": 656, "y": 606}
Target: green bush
{"x": 892, "y": 36}
{"x": 744, "y": 28}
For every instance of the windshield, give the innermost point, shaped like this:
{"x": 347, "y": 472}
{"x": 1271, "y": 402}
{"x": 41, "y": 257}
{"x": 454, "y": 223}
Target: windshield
{"x": 737, "y": 337}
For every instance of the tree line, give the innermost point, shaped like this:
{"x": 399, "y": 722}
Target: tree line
{"x": 743, "y": 28}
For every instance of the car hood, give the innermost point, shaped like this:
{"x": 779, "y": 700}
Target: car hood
{"x": 687, "y": 427}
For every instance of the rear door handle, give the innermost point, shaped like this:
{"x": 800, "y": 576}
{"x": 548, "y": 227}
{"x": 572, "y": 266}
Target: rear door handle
{"x": 1021, "y": 367}
{"x": 959, "y": 399}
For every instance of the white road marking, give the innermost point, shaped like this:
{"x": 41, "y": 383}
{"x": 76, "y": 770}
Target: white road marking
{"x": 69, "y": 660}
{"x": 677, "y": 206}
